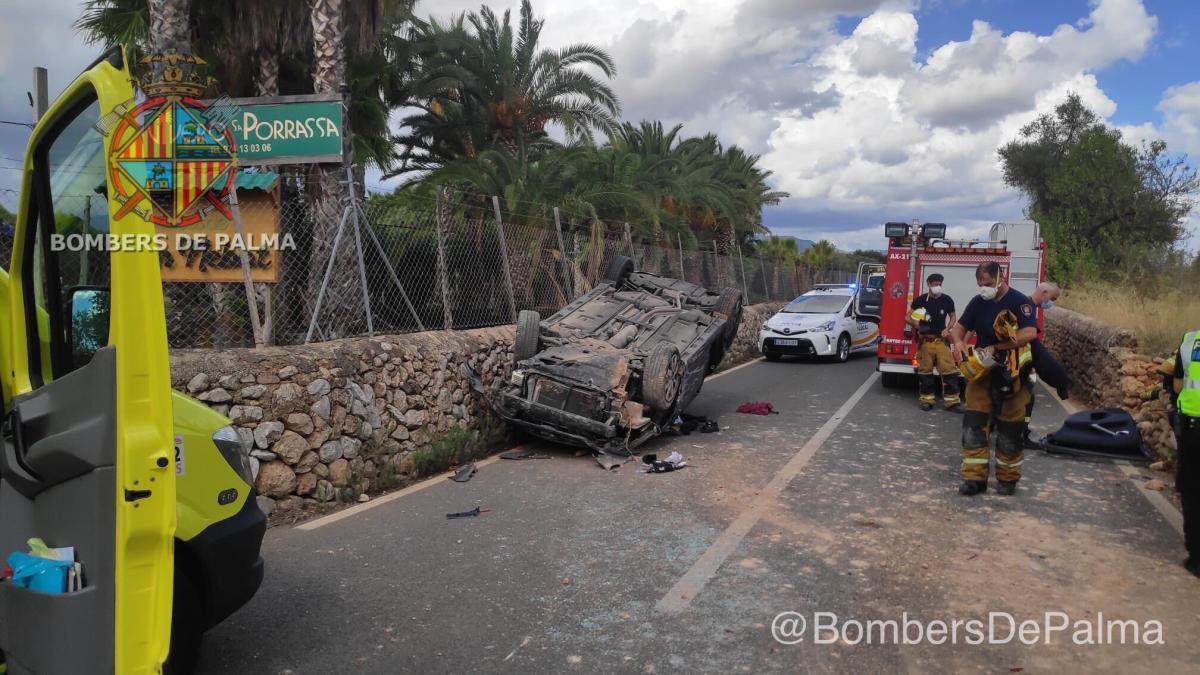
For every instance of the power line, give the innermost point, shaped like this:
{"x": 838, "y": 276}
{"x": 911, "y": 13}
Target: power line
{"x": 17, "y": 124}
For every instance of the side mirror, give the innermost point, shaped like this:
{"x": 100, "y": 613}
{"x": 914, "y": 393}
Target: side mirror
{"x": 89, "y": 322}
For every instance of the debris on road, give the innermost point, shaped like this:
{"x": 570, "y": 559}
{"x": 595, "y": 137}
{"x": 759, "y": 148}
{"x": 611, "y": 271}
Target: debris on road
{"x": 468, "y": 514}
{"x": 364, "y": 498}
{"x": 758, "y": 408}
{"x": 524, "y": 453}
{"x": 464, "y": 473}
{"x": 685, "y": 424}
{"x": 673, "y": 462}
{"x": 1154, "y": 484}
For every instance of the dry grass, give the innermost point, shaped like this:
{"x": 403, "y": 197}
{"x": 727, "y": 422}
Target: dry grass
{"x": 1159, "y": 318}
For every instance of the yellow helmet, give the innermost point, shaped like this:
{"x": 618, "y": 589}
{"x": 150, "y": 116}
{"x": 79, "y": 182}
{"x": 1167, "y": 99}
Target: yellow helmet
{"x": 975, "y": 364}
{"x": 919, "y": 314}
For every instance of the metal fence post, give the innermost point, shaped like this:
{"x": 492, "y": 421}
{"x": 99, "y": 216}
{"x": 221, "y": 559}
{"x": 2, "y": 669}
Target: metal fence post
{"x": 682, "y": 268}
{"x": 766, "y": 286}
{"x": 512, "y": 301}
{"x": 443, "y": 271}
{"x": 568, "y": 287}
{"x": 742, "y": 265}
{"x": 629, "y": 241}
{"x": 247, "y": 280}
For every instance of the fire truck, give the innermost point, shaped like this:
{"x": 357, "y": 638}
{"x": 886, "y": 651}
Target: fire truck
{"x": 917, "y": 250}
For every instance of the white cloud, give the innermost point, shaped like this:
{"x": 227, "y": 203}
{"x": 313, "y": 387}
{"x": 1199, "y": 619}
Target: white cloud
{"x": 911, "y": 138}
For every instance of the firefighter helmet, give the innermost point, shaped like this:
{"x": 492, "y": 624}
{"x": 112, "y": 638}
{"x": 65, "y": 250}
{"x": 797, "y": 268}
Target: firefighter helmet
{"x": 919, "y": 314}
{"x": 976, "y": 363}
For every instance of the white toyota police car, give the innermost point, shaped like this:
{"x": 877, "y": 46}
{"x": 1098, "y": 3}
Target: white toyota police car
{"x": 819, "y": 323}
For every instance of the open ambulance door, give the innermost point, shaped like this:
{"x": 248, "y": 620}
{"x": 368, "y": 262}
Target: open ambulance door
{"x": 87, "y": 447}
{"x": 868, "y": 303}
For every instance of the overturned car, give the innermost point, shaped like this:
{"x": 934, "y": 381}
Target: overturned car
{"x": 615, "y": 366}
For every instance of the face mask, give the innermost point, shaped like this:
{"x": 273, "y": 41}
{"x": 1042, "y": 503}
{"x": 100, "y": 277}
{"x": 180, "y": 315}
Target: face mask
{"x": 987, "y": 292}
{"x": 935, "y": 290}
{"x": 1047, "y": 304}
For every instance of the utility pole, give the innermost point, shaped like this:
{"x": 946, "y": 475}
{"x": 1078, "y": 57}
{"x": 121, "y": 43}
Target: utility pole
{"x": 41, "y": 92}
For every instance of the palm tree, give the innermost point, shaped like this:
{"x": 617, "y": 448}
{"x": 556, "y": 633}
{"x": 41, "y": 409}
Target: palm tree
{"x": 783, "y": 253}
{"x": 485, "y": 85}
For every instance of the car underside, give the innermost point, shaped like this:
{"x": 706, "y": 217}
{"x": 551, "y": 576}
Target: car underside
{"x": 615, "y": 366}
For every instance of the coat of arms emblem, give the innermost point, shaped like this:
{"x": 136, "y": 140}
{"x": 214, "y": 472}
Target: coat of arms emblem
{"x": 173, "y": 154}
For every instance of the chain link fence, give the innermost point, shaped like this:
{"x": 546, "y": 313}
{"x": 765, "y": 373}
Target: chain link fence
{"x": 423, "y": 268}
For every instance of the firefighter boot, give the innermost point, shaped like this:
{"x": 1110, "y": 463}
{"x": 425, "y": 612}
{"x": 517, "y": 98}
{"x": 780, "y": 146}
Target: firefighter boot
{"x": 974, "y": 453}
{"x": 1010, "y": 454}
{"x": 950, "y": 391}
{"x": 925, "y": 386}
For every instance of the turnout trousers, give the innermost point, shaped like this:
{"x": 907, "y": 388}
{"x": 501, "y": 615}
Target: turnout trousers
{"x": 982, "y": 416}
{"x": 935, "y": 353}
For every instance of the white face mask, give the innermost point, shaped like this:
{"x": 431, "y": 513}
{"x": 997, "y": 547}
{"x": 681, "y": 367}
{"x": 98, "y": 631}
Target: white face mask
{"x": 935, "y": 290}
{"x": 987, "y": 292}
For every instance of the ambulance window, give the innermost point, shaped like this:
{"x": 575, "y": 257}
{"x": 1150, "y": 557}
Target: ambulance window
{"x": 70, "y": 211}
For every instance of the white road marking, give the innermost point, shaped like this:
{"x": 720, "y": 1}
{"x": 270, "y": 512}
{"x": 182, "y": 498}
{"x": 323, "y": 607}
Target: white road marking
{"x": 380, "y": 501}
{"x": 694, "y": 580}
{"x": 1164, "y": 506}
{"x": 737, "y": 367}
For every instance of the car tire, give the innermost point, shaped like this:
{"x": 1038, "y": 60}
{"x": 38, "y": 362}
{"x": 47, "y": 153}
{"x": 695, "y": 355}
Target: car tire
{"x": 187, "y": 624}
{"x": 730, "y": 304}
{"x": 772, "y": 356}
{"x": 528, "y": 336}
{"x": 619, "y": 269}
{"x": 843, "y": 348}
{"x": 890, "y": 380}
{"x": 662, "y": 377}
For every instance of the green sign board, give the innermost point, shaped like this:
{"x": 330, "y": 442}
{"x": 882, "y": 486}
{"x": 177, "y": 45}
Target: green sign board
{"x": 288, "y": 129}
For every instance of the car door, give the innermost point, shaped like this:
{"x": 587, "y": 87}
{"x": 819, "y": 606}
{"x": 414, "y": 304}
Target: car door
{"x": 86, "y": 459}
{"x": 863, "y": 332}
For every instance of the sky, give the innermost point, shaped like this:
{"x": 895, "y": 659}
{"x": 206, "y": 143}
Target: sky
{"x": 864, "y": 110}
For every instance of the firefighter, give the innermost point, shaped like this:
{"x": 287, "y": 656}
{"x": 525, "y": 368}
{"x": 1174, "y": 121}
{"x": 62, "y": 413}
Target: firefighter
{"x": 1187, "y": 435}
{"x": 1044, "y": 364}
{"x": 1004, "y": 324}
{"x": 932, "y": 315}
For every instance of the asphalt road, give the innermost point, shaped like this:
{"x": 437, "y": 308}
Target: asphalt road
{"x": 843, "y": 504}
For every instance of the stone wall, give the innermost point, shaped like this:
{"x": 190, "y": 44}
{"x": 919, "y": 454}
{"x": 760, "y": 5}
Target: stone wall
{"x": 1109, "y": 372}
{"x": 336, "y": 420}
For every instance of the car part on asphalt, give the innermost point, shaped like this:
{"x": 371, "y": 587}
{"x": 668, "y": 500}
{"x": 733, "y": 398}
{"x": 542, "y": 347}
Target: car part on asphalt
{"x": 468, "y": 514}
{"x": 616, "y": 366}
{"x": 464, "y": 473}
{"x": 673, "y": 462}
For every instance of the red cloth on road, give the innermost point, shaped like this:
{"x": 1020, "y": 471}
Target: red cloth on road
{"x": 756, "y": 408}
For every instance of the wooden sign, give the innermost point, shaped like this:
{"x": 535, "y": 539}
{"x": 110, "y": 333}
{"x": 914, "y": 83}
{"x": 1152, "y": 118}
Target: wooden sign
{"x": 209, "y": 251}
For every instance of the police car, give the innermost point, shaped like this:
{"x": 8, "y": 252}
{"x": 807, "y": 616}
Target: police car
{"x": 819, "y": 323}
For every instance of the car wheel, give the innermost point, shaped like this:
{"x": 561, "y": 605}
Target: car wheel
{"x": 772, "y": 356}
{"x": 730, "y": 304}
{"x": 662, "y": 377}
{"x": 843, "y": 348}
{"x": 619, "y": 269}
{"x": 890, "y": 380}
{"x": 526, "y": 344}
{"x": 187, "y": 627}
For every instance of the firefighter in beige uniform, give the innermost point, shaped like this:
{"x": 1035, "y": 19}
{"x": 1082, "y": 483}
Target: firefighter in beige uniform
{"x": 932, "y": 316}
{"x": 1004, "y": 324}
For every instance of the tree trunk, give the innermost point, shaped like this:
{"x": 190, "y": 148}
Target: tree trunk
{"x": 169, "y": 26}
{"x": 341, "y": 313}
{"x": 267, "y": 82}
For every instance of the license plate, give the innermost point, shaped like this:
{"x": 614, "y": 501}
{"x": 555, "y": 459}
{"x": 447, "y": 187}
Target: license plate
{"x": 787, "y": 343}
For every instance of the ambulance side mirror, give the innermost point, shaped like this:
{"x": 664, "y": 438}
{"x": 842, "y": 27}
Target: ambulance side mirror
{"x": 89, "y": 322}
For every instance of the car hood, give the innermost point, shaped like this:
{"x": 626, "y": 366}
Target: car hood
{"x": 794, "y": 322}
